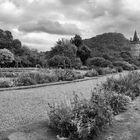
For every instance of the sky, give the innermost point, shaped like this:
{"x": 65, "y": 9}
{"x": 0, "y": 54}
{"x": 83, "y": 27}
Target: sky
{"x": 40, "y": 23}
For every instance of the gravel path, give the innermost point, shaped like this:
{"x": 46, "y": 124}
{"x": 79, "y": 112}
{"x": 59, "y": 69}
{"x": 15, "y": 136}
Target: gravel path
{"x": 20, "y": 107}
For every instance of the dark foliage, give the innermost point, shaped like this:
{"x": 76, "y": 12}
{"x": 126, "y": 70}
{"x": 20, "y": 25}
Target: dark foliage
{"x": 83, "y": 52}
{"x": 108, "y": 45}
{"x": 77, "y": 41}
{"x": 98, "y": 62}
{"x": 58, "y": 61}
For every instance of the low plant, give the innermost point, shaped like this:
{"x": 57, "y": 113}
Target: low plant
{"x": 103, "y": 71}
{"x": 119, "y": 69}
{"x": 98, "y": 62}
{"x": 67, "y": 74}
{"x": 83, "y": 119}
{"x": 6, "y": 82}
{"x": 33, "y": 78}
{"x": 84, "y": 68}
{"x": 9, "y": 74}
{"x": 118, "y": 102}
{"x": 125, "y": 65}
{"x": 91, "y": 73}
{"x": 126, "y": 84}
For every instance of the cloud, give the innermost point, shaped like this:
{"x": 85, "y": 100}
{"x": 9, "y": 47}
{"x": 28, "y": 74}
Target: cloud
{"x": 72, "y": 2}
{"x": 67, "y": 17}
{"x": 9, "y": 13}
{"x": 50, "y": 27}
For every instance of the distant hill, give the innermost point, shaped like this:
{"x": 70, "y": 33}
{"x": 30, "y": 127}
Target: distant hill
{"x": 108, "y": 44}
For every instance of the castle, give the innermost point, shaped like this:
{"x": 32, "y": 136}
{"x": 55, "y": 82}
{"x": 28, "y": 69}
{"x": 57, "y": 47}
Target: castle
{"x": 135, "y": 46}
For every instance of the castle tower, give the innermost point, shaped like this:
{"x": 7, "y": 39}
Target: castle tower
{"x": 135, "y": 46}
{"x": 135, "y": 38}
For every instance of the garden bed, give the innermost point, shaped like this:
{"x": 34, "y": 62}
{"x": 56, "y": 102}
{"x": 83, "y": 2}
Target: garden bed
{"x": 19, "y": 77}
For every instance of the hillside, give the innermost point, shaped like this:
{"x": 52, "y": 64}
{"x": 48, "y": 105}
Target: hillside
{"x": 108, "y": 44}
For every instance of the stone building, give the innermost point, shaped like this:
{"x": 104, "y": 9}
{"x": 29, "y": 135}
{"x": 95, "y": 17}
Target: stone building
{"x": 135, "y": 46}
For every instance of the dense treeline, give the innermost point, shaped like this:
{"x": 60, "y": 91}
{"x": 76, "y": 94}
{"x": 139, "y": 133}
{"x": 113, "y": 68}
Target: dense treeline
{"x": 13, "y": 54}
{"x": 74, "y": 53}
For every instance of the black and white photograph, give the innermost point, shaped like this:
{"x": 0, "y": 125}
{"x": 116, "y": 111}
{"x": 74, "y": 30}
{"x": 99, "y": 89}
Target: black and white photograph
{"x": 69, "y": 70}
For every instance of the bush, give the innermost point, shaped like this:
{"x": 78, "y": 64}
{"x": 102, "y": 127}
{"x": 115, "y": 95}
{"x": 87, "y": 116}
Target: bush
{"x": 5, "y": 82}
{"x": 125, "y": 65}
{"x": 77, "y": 63}
{"x": 68, "y": 75}
{"x": 58, "y": 61}
{"x": 98, "y": 62}
{"x": 25, "y": 80}
{"x": 119, "y": 69}
{"x": 119, "y": 103}
{"x": 84, "y": 68}
{"x": 9, "y": 74}
{"x": 103, "y": 71}
{"x": 83, "y": 119}
{"x": 91, "y": 73}
{"x": 128, "y": 85}
{"x": 33, "y": 78}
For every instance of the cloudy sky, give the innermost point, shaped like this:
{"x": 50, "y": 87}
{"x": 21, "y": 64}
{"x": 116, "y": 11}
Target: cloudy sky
{"x": 40, "y": 23}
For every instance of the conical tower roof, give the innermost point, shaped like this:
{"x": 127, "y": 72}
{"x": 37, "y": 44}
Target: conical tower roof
{"x": 135, "y": 38}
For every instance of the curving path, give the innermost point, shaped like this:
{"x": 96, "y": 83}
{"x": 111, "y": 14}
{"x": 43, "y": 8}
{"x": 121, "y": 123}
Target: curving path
{"x": 20, "y": 107}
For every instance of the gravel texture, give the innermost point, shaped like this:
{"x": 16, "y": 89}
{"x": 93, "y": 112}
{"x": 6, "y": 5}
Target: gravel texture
{"x": 21, "y": 107}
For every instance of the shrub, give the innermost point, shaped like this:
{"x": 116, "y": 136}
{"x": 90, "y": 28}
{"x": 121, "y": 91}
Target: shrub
{"x": 91, "y": 73}
{"x": 59, "y": 61}
{"x": 83, "y": 119}
{"x": 103, "y": 71}
{"x": 78, "y": 75}
{"x": 128, "y": 85}
{"x": 77, "y": 63}
{"x": 100, "y": 71}
{"x": 119, "y": 103}
{"x": 9, "y": 74}
{"x": 5, "y": 82}
{"x": 119, "y": 69}
{"x": 125, "y": 65}
{"x": 33, "y": 78}
{"x": 68, "y": 75}
{"x": 84, "y": 68}
{"x": 98, "y": 62}
{"x": 25, "y": 80}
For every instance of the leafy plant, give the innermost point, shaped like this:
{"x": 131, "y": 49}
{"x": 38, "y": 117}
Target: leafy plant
{"x": 118, "y": 102}
{"x": 125, "y": 65}
{"x": 91, "y": 73}
{"x": 126, "y": 84}
{"x": 83, "y": 119}
{"x": 98, "y": 62}
{"x": 32, "y": 78}
{"x": 5, "y": 83}
{"x": 68, "y": 75}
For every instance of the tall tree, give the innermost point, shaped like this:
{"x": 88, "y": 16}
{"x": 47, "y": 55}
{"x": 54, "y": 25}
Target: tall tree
{"x": 64, "y": 48}
{"x": 83, "y": 52}
{"x": 77, "y": 40}
{"x": 6, "y": 57}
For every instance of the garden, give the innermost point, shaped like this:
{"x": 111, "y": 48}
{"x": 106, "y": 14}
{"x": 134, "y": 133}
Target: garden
{"x": 86, "y": 119}
{"x": 15, "y": 77}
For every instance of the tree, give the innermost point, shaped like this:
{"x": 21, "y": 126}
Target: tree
{"x": 16, "y": 46}
{"x": 77, "y": 40}
{"x": 83, "y": 53}
{"x": 6, "y": 57}
{"x": 59, "y": 61}
{"x": 64, "y": 48}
